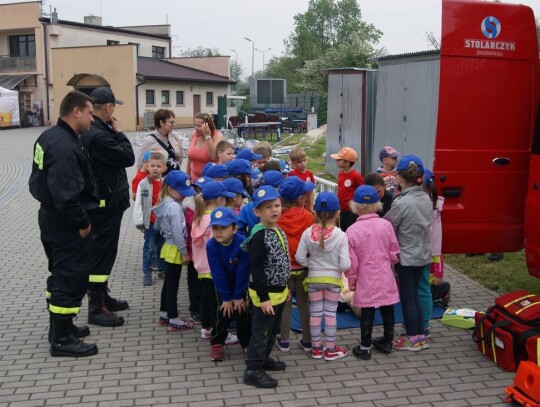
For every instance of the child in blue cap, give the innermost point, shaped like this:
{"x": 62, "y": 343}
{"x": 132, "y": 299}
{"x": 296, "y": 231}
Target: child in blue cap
{"x": 373, "y": 249}
{"x": 270, "y": 270}
{"x": 229, "y": 265}
{"x": 410, "y": 216}
{"x": 235, "y": 186}
{"x": 172, "y": 224}
{"x": 324, "y": 250}
{"x": 294, "y": 220}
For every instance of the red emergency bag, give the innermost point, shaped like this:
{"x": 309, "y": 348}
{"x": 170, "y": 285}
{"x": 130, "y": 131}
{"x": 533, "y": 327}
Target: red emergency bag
{"x": 509, "y": 331}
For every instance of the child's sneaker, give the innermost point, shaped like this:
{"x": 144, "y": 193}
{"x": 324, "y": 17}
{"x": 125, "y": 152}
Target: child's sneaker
{"x": 404, "y": 343}
{"x": 147, "y": 280}
{"x": 181, "y": 326}
{"x": 231, "y": 339}
{"x": 216, "y": 353}
{"x": 163, "y": 321}
{"x": 161, "y": 275}
{"x": 333, "y": 354}
{"x": 382, "y": 344}
{"x": 424, "y": 344}
{"x": 317, "y": 353}
{"x": 206, "y": 333}
{"x": 359, "y": 352}
{"x": 282, "y": 345}
{"x": 306, "y": 346}
{"x": 196, "y": 319}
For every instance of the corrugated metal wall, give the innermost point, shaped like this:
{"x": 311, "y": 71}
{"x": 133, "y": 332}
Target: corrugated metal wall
{"x": 406, "y": 107}
{"x": 345, "y": 104}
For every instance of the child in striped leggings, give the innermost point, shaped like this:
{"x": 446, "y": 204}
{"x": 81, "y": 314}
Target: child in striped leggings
{"x": 324, "y": 249}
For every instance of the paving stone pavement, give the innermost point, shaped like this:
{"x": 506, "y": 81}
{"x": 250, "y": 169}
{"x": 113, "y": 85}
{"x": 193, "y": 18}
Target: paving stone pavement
{"x": 141, "y": 364}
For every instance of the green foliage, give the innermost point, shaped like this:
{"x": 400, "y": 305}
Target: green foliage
{"x": 237, "y": 70}
{"x": 285, "y": 67}
{"x": 201, "y": 52}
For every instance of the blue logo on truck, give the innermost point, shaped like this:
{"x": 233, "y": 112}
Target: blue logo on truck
{"x": 491, "y": 27}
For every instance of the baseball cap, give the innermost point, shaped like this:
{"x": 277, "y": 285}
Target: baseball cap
{"x": 403, "y": 163}
{"x": 179, "y": 181}
{"x": 247, "y": 154}
{"x": 326, "y": 202}
{"x": 427, "y": 177}
{"x": 202, "y": 180}
{"x": 240, "y": 166}
{"x": 263, "y": 194}
{"x": 388, "y": 151}
{"x": 293, "y": 187}
{"x": 223, "y": 216}
{"x": 346, "y": 153}
{"x": 146, "y": 155}
{"x": 285, "y": 167}
{"x": 214, "y": 190}
{"x": 235, "y": 186}
{"x": 366, "y": 194}
{"x": 272, "y": 177}
{"x": 207, "y": 167}
{"x": 217, "y": 171}
{"x": 104, "y": 95}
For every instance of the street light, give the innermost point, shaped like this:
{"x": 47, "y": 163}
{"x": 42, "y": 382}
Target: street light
{"x": 236, "y": 53}
{"x": 263, "y": 52}
{"x": 252, "y": 56}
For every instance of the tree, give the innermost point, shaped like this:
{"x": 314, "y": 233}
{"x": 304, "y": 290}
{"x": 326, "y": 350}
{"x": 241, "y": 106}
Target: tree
{"x": 236, "y": 70}
{"x": 433, "y": 41}
{"x": 201, "y": 52}
{"x": 326, "y": 24}
{"x": 285, "y": 67}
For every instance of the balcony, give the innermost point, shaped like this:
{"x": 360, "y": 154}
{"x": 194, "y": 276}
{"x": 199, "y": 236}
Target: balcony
{"x": 8, "y": 63}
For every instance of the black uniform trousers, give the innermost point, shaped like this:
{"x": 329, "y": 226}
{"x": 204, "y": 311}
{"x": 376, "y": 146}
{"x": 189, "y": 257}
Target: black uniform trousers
{"x": 68, "y": 261}
{"x": 106, "y": 229}
{"x": 264, "y": 329}
{"x": 243, "y": 326}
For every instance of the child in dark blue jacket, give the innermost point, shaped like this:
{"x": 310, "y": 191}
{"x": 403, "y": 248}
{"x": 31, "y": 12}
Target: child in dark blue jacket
{"x": 230, "y": 268}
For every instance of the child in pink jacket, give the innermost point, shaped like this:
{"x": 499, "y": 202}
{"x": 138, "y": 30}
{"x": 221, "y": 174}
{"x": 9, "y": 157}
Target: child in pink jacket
{"x": 373, "y": 248}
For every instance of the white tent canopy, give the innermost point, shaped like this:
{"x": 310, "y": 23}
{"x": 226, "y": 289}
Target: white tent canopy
{"x": 9, "y": 108}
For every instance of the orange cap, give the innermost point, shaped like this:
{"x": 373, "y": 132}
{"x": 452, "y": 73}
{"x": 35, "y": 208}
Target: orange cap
{"x": 346, "y": 153}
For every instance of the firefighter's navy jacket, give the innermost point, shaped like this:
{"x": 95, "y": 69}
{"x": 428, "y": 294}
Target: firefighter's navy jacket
{"x": 62, "y": 178}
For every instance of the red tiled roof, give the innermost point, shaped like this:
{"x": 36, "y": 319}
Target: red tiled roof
{"x": 153, "y": 68}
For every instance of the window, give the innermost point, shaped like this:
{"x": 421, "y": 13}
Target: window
{"x": 165, "y": 97}
{"x": 158, "y": 52}
{"x": 22, "y": 45}
{"x": 150, "y": 97}
{"x": 112, "y": 42}
{"x": 179, "y": 97}
{"x": 209, "y": 98}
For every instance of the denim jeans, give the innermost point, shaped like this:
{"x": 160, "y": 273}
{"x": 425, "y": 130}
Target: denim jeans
{"x": 153, "y": 241}
{"x": 413, "y": 314}
{"x": 424, "y": 293}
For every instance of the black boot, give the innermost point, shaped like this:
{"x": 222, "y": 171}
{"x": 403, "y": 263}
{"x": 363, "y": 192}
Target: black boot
{"x": 259, "y": 378}
{"x": 78, "y": 331}
{"x": 99, "y": 313}
{"x": 112, "y": 303}
{"x": 63, "y": 343}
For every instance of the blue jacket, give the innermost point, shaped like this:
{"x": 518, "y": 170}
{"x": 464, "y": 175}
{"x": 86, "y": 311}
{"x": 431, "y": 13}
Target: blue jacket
{"x": 230, "y": 267}
{"x": 247, "y": 219}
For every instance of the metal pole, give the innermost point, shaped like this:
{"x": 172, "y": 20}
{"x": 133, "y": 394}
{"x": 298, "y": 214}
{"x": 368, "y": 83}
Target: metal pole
{"x": 252, "y": 56}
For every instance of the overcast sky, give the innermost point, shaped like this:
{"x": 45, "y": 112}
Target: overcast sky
{"x": 223, "y": 24}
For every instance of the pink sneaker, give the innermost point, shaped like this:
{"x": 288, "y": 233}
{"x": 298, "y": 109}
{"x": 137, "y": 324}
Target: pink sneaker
{"x": 405, "y": 343}
{"x": 337, "y": 353}
{"x": 206, "y": 333}
{"x": 182, "y": 326}
{"x": 316, "y": 353}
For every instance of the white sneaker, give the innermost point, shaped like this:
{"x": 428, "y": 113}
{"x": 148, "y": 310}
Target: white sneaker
{"x": 206, "y": 333}
{"x": 231, "y": 339}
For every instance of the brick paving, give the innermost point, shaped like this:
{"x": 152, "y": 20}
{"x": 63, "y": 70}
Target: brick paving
{"x": 141, "y": 364}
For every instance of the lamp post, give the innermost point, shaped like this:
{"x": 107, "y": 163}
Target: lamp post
{"x": 252, "y": 56}
{"x": 236, "y": 53}
{"x": 263, "y": 52}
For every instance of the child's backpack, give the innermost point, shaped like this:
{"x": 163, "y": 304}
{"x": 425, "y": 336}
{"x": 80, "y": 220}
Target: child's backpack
{"x": 441, "y": 294}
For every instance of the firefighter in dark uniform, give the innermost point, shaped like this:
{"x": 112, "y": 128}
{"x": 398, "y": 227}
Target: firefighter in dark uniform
{"x": 111, "y": 153}
{"x": 62, "y": 181}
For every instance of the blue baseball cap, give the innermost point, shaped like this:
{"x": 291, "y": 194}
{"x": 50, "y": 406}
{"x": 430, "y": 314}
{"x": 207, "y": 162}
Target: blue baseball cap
{"x": 263, "y": 194}
{"x": 214, "y": 190}
{"x": 272, "y": 177}
{"x": 235, "y": 186}
{"x": 326, "y": 202}
{"x": 179, "y": 181}
{"x": 202, "y": 180}
{"x": 146, "y": 155}
{"x": 293, "y": 187}
{"x": 428, "y": 175}
{"x": 366, "y": 194}
{"x": 206, "y": 167}
{"x": 285, "y": 167}
{"x": 217, "y": 171}
{"x": 223, "y": 216}
{"x": 247, "y": 154}
{"x": 403, "y": 163}
{"x": 240, "y": 166}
